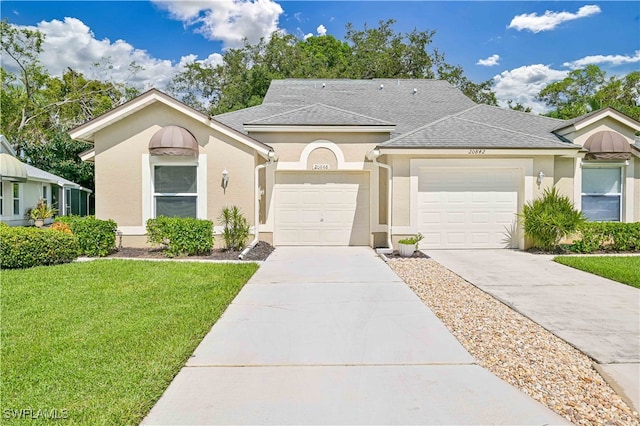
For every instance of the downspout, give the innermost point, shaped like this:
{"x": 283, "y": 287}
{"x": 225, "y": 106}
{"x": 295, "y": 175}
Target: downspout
{"x": 373, "y": 156}
{"x": 256, "y": 226}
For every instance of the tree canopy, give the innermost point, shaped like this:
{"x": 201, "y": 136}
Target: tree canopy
{"x": 244, "y": 76}
{"x": 38, "y": 109}
{"x": 589, "y": 89}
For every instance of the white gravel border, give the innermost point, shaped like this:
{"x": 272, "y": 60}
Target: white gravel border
{"x": 516, "y": 349}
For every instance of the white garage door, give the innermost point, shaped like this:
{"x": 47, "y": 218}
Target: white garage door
{"x": 322, "y": 208}
{"x": 467, "y": 208}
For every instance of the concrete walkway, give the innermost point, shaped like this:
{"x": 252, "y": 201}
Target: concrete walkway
{"x": 333, "y": 336}
{"x": 598, "y": 316}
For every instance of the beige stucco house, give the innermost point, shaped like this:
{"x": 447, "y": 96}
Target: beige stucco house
{"x": 359, "y": 162}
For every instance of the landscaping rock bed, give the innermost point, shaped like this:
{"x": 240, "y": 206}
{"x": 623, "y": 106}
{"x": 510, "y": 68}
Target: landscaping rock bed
{"x": 516, "y": 349}
{"x": 260, "y": 252}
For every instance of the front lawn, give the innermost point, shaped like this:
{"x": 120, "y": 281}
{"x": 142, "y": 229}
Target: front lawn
{"x": 98, "y": 342}
{"x": 624, "y": 269}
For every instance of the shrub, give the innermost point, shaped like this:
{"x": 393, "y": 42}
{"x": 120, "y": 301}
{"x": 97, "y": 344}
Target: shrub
{"x": 22, "y": 247}
{"x": 61, "y": 227}
{"x": 181, "y": 236}
{"x": 614, "y": 236}
{"x": 550, "y": 218}
{"x": 235, "y": 228}
{"x": 96, "y": 237}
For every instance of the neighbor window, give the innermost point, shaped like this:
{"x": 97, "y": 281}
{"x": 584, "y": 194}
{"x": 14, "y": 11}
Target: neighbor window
{"x": 1, "y": 198}
{"x": 16, "y": 199}
{"x": 44, "y": 193}
{"x": 602, "y": 193}
{"x": 175, "y": 191}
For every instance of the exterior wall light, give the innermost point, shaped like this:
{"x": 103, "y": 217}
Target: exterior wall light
{"x": 225, "y": 180}
{"x": 540, "y": 178}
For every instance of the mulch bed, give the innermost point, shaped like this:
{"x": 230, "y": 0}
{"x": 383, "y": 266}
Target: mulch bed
{"x": 261, "y": 251}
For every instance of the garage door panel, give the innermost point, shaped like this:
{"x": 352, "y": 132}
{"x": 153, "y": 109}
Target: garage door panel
{"x": 466, "y": 208}
{"x": 332, "y": 208}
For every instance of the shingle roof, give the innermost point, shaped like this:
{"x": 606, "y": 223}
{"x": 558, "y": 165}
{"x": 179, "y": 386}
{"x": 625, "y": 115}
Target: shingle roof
{"x": 426, "y": 113}
{"x": 320, "y": 115}
{"x": 484, "y": 126}
{"x": 395, "y": 103}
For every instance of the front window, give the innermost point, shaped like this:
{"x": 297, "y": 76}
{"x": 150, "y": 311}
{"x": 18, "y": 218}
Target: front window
{"x": 602, "y": 193}
{"x": 16, "y": 199}
{"x": 175, "y": 191}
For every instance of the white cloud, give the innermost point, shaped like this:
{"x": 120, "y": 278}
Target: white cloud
{"x": 604, "y": 59}
{"x": 490, "y": 61}
{"x": 307, "y": 36}
{"x": 321, "y": 30}
{"x": 72, "y": 44}
{"x": 299, "y": 17}
{"x": 550, "y": 20}
{"x": 230, "y": 21}
{"x": 521, "y": 85}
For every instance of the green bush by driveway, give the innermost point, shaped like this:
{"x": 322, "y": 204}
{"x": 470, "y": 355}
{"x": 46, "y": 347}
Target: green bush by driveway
{"x": 624, "y": 269}
{"x": 99, "y": 341}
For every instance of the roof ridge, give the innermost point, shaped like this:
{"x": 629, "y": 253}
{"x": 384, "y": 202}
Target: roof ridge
{"x": 421, "y": 128}
{"x": 505, "y": 130}
{"x": 351, "y": 112}
{"x": 319, "y": 104}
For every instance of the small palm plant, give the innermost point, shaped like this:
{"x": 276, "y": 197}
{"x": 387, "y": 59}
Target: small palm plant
{"x": 549, "y": 219}
{"x": 235, "y": 228}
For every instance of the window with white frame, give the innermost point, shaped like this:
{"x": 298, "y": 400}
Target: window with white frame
{"x": 175, "y": 190}
{"x": 16, "y": 199}
{"x": 1, "y": 198}
{"x": 45, "y": 193}
{"x": 602, "y": 193}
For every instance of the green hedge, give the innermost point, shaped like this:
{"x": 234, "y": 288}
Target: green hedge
{"x": 22, "y": 247}
{"x": 614, "y": 236}
{"x": 181, "y": 236}
{"x": 96, "y": 237}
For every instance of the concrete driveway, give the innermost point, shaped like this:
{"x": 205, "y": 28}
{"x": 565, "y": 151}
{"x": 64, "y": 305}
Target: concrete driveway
{"x": 598, "y": 316}
{"x": 333, "y": 336}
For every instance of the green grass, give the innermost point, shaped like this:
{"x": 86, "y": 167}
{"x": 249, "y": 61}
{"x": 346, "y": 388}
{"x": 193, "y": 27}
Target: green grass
{"x": 624, "y": 269}
{"x": 100, "y": 341}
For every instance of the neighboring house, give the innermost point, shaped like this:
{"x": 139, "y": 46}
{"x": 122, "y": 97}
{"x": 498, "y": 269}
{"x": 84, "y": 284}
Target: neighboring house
{"x": 359, "y": 162}
{"x": 22, "y": 185}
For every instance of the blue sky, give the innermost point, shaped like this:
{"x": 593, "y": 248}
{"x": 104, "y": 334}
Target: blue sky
{"x": 522, "y": 45}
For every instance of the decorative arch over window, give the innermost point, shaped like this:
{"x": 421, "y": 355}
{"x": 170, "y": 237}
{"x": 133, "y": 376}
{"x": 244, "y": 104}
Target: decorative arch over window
{"x": 607, "y": 145}
{"x": 174, "y": 141}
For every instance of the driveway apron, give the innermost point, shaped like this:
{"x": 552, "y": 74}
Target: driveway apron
{"x": 598, "y": 316}
{"x": 333, "y": 336}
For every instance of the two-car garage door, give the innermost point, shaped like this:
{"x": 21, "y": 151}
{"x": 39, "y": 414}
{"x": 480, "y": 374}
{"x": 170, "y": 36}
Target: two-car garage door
{"x": 467, "y": 208}
{"x": 322, "y": 208}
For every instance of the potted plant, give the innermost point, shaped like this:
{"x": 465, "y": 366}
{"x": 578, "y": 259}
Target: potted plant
{"x": 41, "y": 212}
{"x": 407, "y": 246}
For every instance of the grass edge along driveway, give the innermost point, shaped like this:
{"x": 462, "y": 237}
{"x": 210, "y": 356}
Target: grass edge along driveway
{"x": 98, "y": 342}
{"x": 623, "y": 269}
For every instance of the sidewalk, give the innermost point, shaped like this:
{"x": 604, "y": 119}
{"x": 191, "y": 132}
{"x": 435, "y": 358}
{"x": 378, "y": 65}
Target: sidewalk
{"x": 333, "y": 336}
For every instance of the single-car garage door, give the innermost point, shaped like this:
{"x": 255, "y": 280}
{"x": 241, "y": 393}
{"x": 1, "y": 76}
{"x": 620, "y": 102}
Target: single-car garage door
{"x": 467, "y": 208}
{"x": 322, "y": 208}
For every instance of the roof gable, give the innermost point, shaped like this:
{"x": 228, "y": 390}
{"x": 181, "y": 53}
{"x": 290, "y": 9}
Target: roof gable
{"x": 86, "y": 132}
{"x": 594, "y": 116}
{"x": 483, "y": 127}
{"x": 319, "y": 115}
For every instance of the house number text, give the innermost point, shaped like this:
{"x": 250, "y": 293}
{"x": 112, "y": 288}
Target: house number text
{"x": 320, "y": 167}
{"x": 476, "y": 151}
